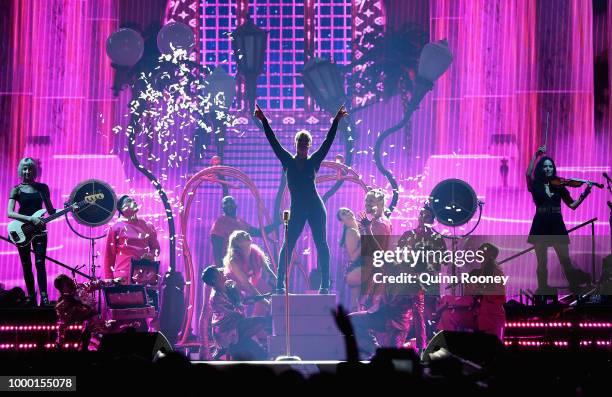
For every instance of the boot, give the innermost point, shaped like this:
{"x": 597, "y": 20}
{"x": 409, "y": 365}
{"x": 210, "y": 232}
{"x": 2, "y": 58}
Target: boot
{"x": 545, "y": 290}
{"x": 44, "y": 299}
{"x": 29, "y": 301}
{"x": 280, "y": 287}
{"x": 577, "y": 278}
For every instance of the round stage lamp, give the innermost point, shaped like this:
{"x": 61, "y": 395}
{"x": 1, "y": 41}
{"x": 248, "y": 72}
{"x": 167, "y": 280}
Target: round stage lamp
{"x": 175, "y": 35}
{"x": 101, "y": 210}
{"x": 125, "y": 47}
{"x": 453, "y": 202}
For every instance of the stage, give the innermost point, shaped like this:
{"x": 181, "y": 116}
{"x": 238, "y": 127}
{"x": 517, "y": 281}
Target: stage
{"x": 409, "y": 194}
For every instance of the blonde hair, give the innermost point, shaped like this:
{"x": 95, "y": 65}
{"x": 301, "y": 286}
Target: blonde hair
{"x": 27, "y": 161}
{"x": 235, "y": 239}
{"x": 302, "y": 133}
{"x": 377, "y": 194}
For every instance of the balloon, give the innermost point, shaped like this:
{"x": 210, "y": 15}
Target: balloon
{"x": 125, "y": 47}
{"x": 175, "y": 35}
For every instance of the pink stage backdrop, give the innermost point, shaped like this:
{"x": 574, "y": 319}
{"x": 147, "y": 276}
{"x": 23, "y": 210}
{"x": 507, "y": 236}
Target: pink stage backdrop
{"x": 515, "y": 62}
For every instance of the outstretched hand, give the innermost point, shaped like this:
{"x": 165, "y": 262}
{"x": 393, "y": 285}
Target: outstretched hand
{"x": 259, "y": 113}
{"x": 343, "y": 321}
{"x": 341, "y": 113}
{"x": 363, "y": 219}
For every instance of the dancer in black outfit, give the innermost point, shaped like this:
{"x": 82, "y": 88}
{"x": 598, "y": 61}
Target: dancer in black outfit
{"x": 548, "y": 228}
{"x": 306, "y": 204}
{"x": 31, "y": 195}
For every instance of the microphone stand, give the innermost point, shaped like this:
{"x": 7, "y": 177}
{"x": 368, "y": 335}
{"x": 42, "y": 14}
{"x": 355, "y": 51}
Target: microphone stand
{"x": 287, "y": 356}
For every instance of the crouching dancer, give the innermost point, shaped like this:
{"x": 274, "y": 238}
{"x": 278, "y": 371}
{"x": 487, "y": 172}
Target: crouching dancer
{"x": 75, "y": 307}
{"x": 233, "y": 332}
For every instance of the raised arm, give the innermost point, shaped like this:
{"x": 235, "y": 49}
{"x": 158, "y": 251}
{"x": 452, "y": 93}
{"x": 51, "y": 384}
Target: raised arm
{"x": 281, "y": 153}
{"x": 321, "y": 153}
{"x": 529, "y": 173}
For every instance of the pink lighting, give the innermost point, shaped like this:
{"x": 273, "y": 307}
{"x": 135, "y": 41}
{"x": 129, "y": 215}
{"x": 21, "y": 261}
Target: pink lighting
{"x": 539, "y": 325}
{"x": 557, "y": 343}
{"x": 509, "y": 72}
{"x": 27, "y": 328}
{"x": 596, "y": 325}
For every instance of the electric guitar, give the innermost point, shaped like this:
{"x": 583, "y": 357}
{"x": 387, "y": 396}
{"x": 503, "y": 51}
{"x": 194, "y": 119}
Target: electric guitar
{"x": 21, "y": 233}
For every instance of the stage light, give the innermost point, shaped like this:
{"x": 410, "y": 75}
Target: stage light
{"x": 325, "y": 83}
{"x": 435, "y": 59}
{"x": 249, "y": 44}
{"x": 125, "y": 47}
{"x": 173, "y": 36}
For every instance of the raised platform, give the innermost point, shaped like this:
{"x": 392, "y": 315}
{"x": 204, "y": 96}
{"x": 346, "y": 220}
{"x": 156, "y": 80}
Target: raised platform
{"x": 313, "y": 333}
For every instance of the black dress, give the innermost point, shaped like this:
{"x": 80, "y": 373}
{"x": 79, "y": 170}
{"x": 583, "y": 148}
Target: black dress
{"x": 29, "y": 203}
{"x": 548, "y": 227}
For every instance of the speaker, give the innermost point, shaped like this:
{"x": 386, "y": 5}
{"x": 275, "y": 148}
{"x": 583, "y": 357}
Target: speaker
{"x": 142, "y": 344}
{"x": 477, "y": 347}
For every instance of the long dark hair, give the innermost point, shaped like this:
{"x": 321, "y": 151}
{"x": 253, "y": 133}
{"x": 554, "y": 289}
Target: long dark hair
{"x": 539, "y": 170}
{"x": 344, "y": 227}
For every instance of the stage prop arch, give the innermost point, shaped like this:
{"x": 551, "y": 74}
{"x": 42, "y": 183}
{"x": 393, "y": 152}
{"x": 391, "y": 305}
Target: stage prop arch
{"x": 214, "y": 174}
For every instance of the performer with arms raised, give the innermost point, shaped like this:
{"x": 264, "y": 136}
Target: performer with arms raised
{"x": 306, "y": 204}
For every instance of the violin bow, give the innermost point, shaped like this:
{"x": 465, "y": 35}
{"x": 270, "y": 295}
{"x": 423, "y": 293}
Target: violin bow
{"x": 546, "y": 133}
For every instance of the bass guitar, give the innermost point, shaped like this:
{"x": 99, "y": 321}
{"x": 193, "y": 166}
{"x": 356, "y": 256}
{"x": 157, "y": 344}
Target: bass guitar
{"x": 21, "y": 233}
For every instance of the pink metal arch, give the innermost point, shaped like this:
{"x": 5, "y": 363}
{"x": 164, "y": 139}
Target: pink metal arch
{"x": 211, "y": 175}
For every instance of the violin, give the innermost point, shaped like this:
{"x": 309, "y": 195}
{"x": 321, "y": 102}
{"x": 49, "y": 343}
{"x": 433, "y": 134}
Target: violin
{"x": 572, "y": 182}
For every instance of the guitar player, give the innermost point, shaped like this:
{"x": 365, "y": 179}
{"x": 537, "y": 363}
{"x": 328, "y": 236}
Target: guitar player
{"x": 31, "y": 196}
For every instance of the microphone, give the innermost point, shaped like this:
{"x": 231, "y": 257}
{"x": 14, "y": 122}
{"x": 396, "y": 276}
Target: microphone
{"x": 286, "y": 215}
{"x": 605, "y": 175}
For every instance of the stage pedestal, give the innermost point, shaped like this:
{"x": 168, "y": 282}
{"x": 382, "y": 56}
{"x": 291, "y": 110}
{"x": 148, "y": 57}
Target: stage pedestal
{"x": 313, "y": 332}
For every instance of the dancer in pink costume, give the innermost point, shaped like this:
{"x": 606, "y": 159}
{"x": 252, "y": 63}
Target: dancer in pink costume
{"x": 129, "y": 238}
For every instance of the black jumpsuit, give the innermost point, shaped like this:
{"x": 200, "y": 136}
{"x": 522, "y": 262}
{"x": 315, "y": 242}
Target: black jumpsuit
{"x": 306, "y": 204}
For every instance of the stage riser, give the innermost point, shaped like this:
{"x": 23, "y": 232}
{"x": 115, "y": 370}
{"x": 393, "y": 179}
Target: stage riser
{"x": 304, "y": 305}
{"x": 305, "y": 325}
{"x": 313, "y": 332}
{"x": 311, "y": 347}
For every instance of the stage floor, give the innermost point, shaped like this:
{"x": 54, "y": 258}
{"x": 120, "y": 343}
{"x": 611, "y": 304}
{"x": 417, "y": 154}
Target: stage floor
{"x": 306, "y": 368}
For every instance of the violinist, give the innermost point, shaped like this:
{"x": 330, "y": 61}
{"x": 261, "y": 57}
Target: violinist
{"x": 548, "y": 228}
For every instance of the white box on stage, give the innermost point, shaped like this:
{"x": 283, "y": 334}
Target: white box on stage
{"x": 304, "y": 305}
{"x": 305, "y": 325}
{"x": 314, "y": 335}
